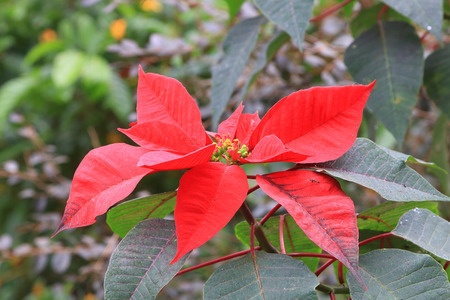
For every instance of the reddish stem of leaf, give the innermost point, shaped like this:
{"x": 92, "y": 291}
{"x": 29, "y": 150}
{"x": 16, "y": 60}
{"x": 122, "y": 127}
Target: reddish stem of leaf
{"x": 251, "y": 177}
{"x": 382, "y": 11}
{"x": 324, "y": 266}
{"x": 330, "y": 11}
{"x": 252, "y": 239}
{"x": 447, "y": 263}
{"x": 422, "y": 38}
{"x": 374, "y": 238}
{"x": 269, "y": 214}
{"x": 363, "y": 217}
{"x": 341, "y": 273}
{"x": 217, "y": 260}
{"x": 282, "y": 247}
{"x": 251, "y": 190}
{"x": 311, "y": 254}
{"x": 332, "y": 296}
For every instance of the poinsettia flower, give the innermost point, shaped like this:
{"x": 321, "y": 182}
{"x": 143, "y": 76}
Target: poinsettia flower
{"x": 309, "y": 126}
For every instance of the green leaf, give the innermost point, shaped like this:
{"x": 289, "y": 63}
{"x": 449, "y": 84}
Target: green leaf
{"x": 290, "y": 15}
{"x": 369, "y": 165}
{"x": 11, "y": 93}
{"x": 267, "y": 53}
{"x": 427, "y": 230}
{"x": 392, "y": 54}
{"x": 41, "y": 50}
{"x": 399, "y": 274}
{"x": 233, "y": 7}
{"x": 384, "y": 217}
{"x": 123, "y": 217}
{"x": 295, "y": 239}
{"x": 411, "y": 160}
{"x": 439, "y": 153}
{"x": 238, "y": 44}
{"x": 264, "y": 276}
{"x": 437, "y": 78}
{"x": 140, "y": 265}
{"x": 428, "y": 14}
{"x": 67, "y": 68}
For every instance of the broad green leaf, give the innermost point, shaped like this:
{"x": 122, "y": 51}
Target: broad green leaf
{"x": 11, "y": 93}
{"x": 119, "y": 98}
{"x": 384, "y": 217}
{"x": 262, "y": 276}
{"x": 399, "y": 274}
{"x": 140, "y": 265}
{"x": 295, "y": 239}
{"x": 238, "y": 44}
{"x": 267, "y": 53}
{"x": 428, "y": 14}
{"x": 439, "y": 153}
{"x": 391, "y": 53}
{"x": 123, "y": 217}
{"x": 67, "y": 68}
{"x": 437, "y": 78}
{"x": 290, "y": 15}
{"x": 233, "y": 7}
{"x": 96, "y": 75}
{"x": 369, "y": 165}
{"x": 427, "y": 230}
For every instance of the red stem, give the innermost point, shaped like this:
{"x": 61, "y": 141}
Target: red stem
{"x": 311, "y": 254}
{"x": 332, "y": 296}
{"x": 447, "y": 263}
{"x": 330, "y": 11}
{"x": 341, "y": 273}
{"x": 251, "y": 190}
{"x": 374, "y": 238}
{"x": 269, "y": 214}
{"x": 282, "y": 247}
{"x": 324, "y": 266}
{"x": 382, "y": 11}
{"x": 217, "y": 260}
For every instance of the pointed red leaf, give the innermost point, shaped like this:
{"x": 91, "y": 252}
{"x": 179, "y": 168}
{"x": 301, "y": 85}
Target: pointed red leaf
{"x": 105, "y": 176}
{"x": 208, "y": 197}
{"x": 157, "y": 135}
{"x": 163, "y": 160}
{"x": 271, "y": 149}
{"x": 320, "y": 208}
{"x": 165, "y": 99}
{"x": 239, "y": 125}
{"x": 321, "y": 121}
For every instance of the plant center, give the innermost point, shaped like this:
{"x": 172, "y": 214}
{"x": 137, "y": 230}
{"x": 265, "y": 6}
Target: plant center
{"x": 229, "y": 151}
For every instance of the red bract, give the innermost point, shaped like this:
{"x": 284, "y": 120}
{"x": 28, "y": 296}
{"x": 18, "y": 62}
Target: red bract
{"x": 308, "y": 126}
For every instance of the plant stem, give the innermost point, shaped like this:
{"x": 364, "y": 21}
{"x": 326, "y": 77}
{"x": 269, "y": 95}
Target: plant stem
{"x": 259, "y": 233}
{"x": 269, "y": 214}
{"x": 330, "y": 11}
{"x": 335, "y": 290}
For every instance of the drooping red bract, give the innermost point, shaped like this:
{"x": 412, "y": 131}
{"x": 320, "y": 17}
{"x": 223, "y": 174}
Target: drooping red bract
{"x": 308, "y": 126}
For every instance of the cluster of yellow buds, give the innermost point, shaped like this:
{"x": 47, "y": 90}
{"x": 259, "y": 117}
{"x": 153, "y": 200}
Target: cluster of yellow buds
{"x": 229, "y": 150}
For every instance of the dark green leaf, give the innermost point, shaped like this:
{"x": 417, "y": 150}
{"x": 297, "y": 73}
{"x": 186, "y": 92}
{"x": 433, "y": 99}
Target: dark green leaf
{"x": 392, "y": 54}
{"x": 238, "y": 44}
{"x": 399, "y": 274}
{"x": 264, "y": 276}
{"x": 290, "y": 15}
{"x": 437, "y": 78}
{"x": 123, "y": 217}
{"x": 267, "y": 53}
{"x": 295, "y": 239}
{"x": 428, "y": 14}
{"x": 384, "y": 217}
{"x": 427, "y": 230}
{"x": 140, "y": 265}
{"x": 11, "y": 93}
{"x": 369, "y": 165}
